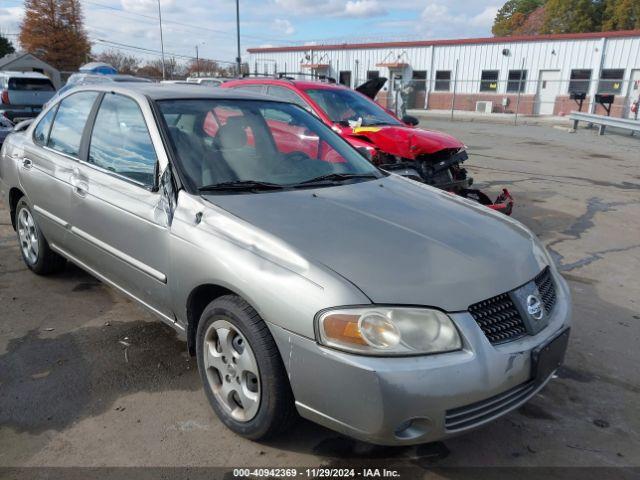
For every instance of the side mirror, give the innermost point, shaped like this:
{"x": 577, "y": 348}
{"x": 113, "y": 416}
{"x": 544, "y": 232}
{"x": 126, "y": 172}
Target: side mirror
{"x": 410, "y": 120}
{"x": 365, "y": 153}
{"x": 23, "y": 125}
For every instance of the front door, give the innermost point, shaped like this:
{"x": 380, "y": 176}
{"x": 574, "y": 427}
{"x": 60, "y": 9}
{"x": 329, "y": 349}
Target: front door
{"x": 119, "y": 227}
{"x": 634, "y": 94}
{"x": 548, "y": 90}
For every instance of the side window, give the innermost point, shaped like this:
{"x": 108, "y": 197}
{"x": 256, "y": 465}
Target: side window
{"x": 120, "y": 141}
{"x": 287, "y": 95}
{"x": 66, "y": 132}
{"x": 41, "y": 132}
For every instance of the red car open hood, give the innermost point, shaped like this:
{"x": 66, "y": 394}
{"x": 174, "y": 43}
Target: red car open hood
{"x": 403, "y": 141}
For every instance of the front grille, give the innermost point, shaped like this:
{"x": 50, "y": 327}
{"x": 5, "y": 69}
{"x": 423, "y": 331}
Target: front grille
{"x": 498, "y": 318}
{"x": 547, "y": 290}
{"x": 476, "y": 413}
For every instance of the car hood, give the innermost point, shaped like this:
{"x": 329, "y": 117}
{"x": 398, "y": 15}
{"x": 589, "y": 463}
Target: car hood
{"x": 403, "y": 141}
{"x": 398, "y": 241}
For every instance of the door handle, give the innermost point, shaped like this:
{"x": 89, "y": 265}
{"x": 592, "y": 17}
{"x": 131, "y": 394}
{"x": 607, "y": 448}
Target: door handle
{"x": 27, "y": 163}
{"x": 80, "y": 187}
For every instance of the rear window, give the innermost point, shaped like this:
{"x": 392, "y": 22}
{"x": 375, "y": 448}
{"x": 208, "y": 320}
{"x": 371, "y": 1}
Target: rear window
{"x": 31, "y": 84}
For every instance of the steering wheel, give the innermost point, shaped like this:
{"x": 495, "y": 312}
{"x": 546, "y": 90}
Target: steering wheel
{"x": 296, "y": 156}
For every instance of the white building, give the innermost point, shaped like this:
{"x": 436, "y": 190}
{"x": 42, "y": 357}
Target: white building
{"x": 535, "y": 74}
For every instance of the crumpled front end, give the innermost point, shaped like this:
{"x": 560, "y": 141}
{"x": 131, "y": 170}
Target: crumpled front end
{"x": 434, "y": 158}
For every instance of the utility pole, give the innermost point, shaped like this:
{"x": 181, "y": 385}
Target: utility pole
{"x": 161, "y": 41}
{"x": 197, "y": 63}
{"x": 238, "y": 58}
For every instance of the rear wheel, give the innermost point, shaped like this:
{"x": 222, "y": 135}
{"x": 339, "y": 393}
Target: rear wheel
{"x": 35, "y": 250}
{"x": 241, "y": 369}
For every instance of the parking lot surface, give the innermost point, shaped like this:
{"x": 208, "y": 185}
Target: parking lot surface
{"x": 89, "y": 379}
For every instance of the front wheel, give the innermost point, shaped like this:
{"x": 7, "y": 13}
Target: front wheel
{"x": 241, "y": 369}
{"x": 35, "y": 250}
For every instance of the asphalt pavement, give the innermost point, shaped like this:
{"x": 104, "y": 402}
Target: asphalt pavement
{"x": 87, "y": 378}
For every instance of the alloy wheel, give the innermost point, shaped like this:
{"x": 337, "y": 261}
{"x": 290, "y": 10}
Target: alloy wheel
{"x": 232, "y": 370}
{"x": 28, "y": 236}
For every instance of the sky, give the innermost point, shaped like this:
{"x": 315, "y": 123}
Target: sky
{"x": 210, "y": 24}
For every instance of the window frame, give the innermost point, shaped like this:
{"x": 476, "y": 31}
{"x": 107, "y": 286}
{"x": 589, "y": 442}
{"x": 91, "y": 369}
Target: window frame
{"x": 373, "y": 75}
{"x": 484, "y": 83}
{"x": 347, "y": 73}
{"x": 86, "y": 144}
{"x": 519, "y": 84}
{"x": 84, "y": 130}
{"x": 436, "y": 80}
{"x": 54, "y": 111}
{"x": 610, "y": 81}
{"x": 586, "y": 81}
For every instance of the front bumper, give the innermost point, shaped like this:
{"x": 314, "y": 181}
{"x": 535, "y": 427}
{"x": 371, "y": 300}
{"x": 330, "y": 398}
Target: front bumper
{"x": 411, "y": 400}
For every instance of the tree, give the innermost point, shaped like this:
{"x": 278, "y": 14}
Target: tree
{"x": 123, "y": 63}
{"x": 533, "y": 24}
{"x": 153, "y": 69}
{"x": 5, "y": 46}
{"x": 621, "y": 15}
{"x": 203, "y": 67}
{"x": 572, "y": 16}
{"x": 54, "y": 31}
{"x": 512, "y": 15}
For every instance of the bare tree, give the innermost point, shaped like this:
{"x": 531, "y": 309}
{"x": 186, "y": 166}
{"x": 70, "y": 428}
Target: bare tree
{"x": 123, "y": 63}
{"x": 153, "y": 69}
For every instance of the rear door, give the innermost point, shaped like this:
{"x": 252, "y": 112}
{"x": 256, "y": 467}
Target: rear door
{"x": 47, "y": 164}
{"x": 25, "y": 91}
{"x": 119, "y": 224}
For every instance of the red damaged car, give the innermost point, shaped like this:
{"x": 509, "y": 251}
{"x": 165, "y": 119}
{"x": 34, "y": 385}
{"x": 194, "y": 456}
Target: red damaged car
{"x": 392, "y": 144}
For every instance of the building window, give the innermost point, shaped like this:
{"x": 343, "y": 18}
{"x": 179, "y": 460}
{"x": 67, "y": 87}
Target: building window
{"x": 489, "y": 81}
{"x": 579, "y": 81}
{"x": 443, "y": 81}
{"x": 517, "y": 81}
{"x": 345, "y": 78}
{"x": 611, "y": 81}
{"x": 417, "y": 89}
{"x": 373, "y": 74}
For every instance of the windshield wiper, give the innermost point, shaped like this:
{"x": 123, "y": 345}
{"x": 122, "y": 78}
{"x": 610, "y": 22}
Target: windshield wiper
{"x": 338, "y": 177}
{"x": 241, "y": 185}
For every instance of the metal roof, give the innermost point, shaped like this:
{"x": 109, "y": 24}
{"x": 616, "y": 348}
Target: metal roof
{"x": 461, "y": 41}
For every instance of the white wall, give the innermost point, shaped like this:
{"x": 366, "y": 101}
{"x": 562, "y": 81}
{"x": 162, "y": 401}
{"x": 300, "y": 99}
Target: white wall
{"x": 563, "y": 55}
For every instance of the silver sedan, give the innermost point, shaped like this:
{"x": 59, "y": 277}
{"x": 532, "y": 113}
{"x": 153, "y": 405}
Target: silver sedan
{"x": 304, "y": 279}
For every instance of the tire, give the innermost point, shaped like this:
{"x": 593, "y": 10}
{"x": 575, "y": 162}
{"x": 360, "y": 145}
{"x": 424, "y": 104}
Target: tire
{"x": 255, "y": 408}
{"x": 35, "y": 251}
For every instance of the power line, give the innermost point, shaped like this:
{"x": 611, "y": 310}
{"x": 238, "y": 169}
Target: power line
{"x": 125, "y": 46}
{"x": 175, "y": 22}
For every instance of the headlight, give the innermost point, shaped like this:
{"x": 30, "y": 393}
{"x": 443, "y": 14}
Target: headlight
{"x": 388, "y": 330}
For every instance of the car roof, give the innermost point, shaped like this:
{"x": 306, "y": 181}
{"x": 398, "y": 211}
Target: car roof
{"x": 11, "y": 73}
{"x": 175, "y": 91}
{"x": 299, "y": 84}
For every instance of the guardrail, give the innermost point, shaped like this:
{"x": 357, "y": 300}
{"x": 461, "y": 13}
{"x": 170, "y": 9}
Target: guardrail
{"x": 603, "y": 122}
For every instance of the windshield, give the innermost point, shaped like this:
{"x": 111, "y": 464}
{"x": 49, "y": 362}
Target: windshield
{"x": 241, "y": 143}
{"x": 342, "y": 105}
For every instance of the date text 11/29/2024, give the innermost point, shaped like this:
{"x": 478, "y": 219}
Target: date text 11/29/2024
{"x": 316, "y": 472}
